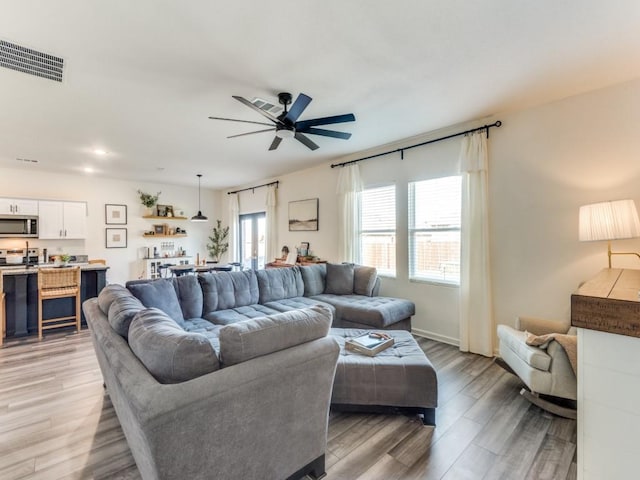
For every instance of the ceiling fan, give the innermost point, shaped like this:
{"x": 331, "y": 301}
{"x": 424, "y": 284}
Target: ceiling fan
{"x": 286, "y": 125}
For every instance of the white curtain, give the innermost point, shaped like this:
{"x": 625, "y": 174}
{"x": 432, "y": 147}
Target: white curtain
{"x": 234, "y": 208}
{"x": 349, "y": 186}
{"x": 476, "y": 310}
{"x": 271, "y": 247}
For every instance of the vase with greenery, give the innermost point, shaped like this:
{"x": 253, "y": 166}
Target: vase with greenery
{"x": 219, "y": 243}
{"x": 148, "y": 200}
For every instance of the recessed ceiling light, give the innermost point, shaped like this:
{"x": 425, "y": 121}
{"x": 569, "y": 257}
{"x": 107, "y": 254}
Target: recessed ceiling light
{"x": 88, "y": 170}
{"x": 99, "y": 152}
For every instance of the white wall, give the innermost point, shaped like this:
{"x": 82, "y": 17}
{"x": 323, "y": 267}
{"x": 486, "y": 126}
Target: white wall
{"x": 544, "y": 163}
{"x": 124, "y": 263}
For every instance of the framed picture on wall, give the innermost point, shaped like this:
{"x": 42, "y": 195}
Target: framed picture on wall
{"x": 303, "y": 215}
{"x": 116, "y": 238}
{"x": 115, "y": 214}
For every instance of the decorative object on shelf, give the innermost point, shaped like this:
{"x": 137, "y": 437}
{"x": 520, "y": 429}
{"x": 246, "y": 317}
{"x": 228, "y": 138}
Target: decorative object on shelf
{"x": 115, "y": 237}
{"x": 199, "y": 217}
{"x": 303, "y": 251}
{"x": 159, "y": 229}
{"x": 219, "y": 244}
{"x": 115, "y": 214}
{"x": 303, "y": 215}
{"x": 147, "y": 199}
{"x": 285, "y": 252}
{"x": 164, "y": 210}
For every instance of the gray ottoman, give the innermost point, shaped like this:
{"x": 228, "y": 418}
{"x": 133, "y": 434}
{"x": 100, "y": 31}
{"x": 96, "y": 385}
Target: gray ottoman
{"x": 400, "y": 376}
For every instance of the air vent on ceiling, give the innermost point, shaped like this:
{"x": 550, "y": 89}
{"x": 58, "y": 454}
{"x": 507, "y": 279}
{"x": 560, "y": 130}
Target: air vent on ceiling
{"x": 267, "y": 106}
{"x": 27, "y": 60}
{"x": 26, "y": 160}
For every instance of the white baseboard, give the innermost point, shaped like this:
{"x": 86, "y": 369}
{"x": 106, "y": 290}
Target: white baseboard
{"x": 436, "y": 336}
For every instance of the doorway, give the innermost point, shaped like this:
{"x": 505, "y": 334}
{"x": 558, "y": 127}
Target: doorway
{"x": 252, "y": 240}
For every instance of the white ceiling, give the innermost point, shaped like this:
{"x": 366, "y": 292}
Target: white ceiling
{"x": 143, "y": 76}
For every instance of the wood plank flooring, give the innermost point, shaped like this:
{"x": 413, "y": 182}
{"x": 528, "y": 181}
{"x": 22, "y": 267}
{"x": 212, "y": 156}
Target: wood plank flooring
{"x": 56, "y": 422}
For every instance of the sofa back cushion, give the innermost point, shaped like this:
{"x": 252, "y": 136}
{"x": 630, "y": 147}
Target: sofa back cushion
{"x": 225, "y": 290}
{"x": 189, "y": 295}
{"x": 340, "y": 278}
{"x": 121, "y": 313}
{"x": 314, "y": 277}
{"x": 249, "y": 339}
{"x": 159, "y": 294}
{"x": 279, "y": 283}
{"x": 109, "y": 293}
{"x": 364, "y": 280}
{"x": 169, "y": 353}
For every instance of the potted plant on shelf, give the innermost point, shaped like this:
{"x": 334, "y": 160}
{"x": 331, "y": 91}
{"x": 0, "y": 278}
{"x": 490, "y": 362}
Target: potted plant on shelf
{"x": 148, "y": 201}
{"x": 219, "y": 244}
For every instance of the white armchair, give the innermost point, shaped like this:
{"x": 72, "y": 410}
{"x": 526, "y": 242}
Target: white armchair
{"x": 546, "y": 370}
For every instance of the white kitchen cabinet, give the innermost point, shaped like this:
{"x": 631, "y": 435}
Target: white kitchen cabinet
{"x": 18, "y": 206}
{"x": 63, "y": 220}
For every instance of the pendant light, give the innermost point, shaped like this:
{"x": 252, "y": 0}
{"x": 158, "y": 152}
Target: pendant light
{"x": 199, "y": 217}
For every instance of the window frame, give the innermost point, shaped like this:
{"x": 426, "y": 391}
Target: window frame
{"x": 394, "y": 233}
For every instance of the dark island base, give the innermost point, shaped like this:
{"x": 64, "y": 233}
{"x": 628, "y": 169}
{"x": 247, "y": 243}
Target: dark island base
{"x": 21, "y": 301}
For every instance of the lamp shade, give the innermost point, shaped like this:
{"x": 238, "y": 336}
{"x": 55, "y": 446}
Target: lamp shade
{"x": 609, "y": 221}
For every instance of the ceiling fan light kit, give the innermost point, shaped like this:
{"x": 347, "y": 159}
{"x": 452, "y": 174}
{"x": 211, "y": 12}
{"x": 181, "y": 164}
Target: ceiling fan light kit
{"x": 286, "y": 125}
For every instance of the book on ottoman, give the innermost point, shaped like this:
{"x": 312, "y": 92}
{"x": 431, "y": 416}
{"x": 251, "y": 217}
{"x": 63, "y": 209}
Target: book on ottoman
{"x": 369, "y": 344}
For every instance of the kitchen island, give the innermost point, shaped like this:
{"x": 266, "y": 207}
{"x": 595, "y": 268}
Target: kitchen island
{"x": 20, "y": 285}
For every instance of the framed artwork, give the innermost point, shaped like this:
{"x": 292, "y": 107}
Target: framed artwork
{"x": 159, "y": 229}
{"x": 304, "y": 249}
{"x": 165, "y": 210}
{"x": 115, "y": 214}
{"x": 303, "y": 215}
{"x": 116, "y": 238}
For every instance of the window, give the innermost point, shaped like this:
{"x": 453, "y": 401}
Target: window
{"x": 378, "y": 229}
{"x": 434, "y": 230}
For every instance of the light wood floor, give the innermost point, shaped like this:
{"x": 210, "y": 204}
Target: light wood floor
{"x": 57, "y": 422}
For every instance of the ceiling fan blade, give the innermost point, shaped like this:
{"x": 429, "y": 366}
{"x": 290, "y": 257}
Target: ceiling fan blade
{"x": 251, "y": 133}
{"x": 259, "y": 110}
{"x": 242, "y": 121}
{"x": 275, "y": 143}
{"x": 348, "y": 117}
{"x": 298, "y": 107}
{"x": 326, "y": 133}
{"x": 306, "y": 141}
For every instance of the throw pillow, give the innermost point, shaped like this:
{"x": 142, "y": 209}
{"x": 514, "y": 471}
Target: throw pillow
{"x": 108, "y": 294}
{"x": 364, "y": 280}
{"x": 159, "y": 294}
{"x": 253, "y": 338}
{"x": 169, "y": 353}
{"x": 339, "y": 279}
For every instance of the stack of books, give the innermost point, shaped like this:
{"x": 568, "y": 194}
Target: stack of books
{"x": 369, "y": 344}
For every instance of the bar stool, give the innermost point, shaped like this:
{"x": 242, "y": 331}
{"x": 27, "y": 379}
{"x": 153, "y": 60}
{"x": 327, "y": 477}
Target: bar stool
{"x": 58, "y": 283}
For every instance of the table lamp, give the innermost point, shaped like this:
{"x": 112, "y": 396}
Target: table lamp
{"x": 609, "y": 221}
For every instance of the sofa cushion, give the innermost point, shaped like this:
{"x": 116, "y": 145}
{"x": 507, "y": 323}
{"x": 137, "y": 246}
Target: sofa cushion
{"x": 377, "y": 312}
{"x": 253, "y": 338}
{"x": 296, "y": 303}
{"x": 314, "y": 278}
{"x": 239, "y": 314}
{"x": 279, "y": 283}
{"x": 108, "y": 294}
{"x": 364, "y": 280}
{"x": 189, "y": 295}
{"x": 340, "y": 279}
{"x": 224, "y": 290}
{"x": 159, "y": 294}
{"x": 169, "y": 353}
{"x": 121, "y": 313}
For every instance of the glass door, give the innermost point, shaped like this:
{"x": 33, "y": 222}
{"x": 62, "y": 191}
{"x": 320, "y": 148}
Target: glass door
{"x": 252, "y": 240}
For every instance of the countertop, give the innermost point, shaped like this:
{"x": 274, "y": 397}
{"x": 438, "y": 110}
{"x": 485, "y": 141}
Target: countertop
{"x": 21, "y": 269}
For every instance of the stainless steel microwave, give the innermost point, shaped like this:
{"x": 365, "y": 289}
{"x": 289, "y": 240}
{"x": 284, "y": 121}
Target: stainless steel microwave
{"x": 18, "y": 226}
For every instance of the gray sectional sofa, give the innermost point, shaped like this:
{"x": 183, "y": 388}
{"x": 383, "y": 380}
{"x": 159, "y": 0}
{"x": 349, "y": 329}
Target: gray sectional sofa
{"x": 230, "y": 375}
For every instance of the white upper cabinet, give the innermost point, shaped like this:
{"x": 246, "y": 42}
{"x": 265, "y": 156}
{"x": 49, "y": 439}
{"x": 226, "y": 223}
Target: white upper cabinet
{"x": 62, "y": 220}
{"x": 18, "y": 206}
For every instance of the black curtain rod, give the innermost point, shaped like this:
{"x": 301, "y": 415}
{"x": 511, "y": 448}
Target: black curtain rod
{"x": 276, "y": 183}
{"x": 401, "y": 150}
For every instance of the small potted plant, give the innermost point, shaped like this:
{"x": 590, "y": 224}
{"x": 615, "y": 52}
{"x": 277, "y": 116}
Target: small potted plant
{"x": 62, "y": 260}
{"x": 148, "y": 200}
{"x": 219, "y": 244}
